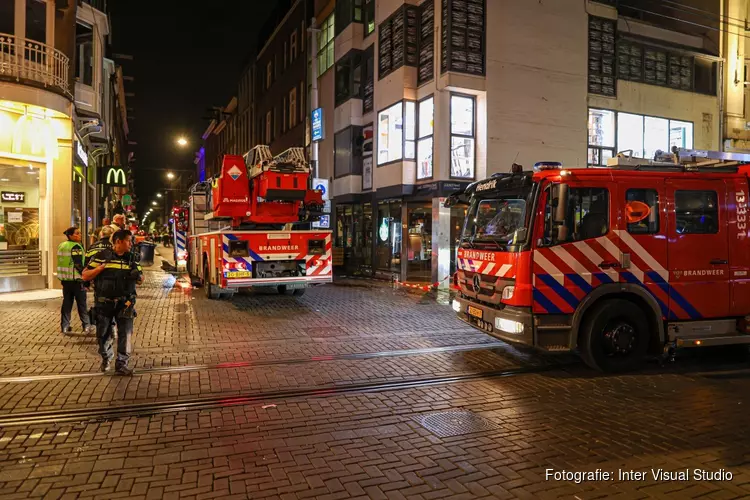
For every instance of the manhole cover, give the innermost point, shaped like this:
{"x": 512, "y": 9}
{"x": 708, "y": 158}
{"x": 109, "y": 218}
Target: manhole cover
{"x": 455, "y": 423}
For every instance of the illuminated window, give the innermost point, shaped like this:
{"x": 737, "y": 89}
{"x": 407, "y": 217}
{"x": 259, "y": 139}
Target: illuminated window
{"x": 325, "y": 44}
{"x": 425, "y": 128}
{"x": 463, "y": 140}
{"x": 368, "y": 16}
{"x": 396, "y": 132}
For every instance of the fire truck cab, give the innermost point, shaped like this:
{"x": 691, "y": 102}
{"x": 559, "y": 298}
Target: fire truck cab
{"x": 615, "y": 262}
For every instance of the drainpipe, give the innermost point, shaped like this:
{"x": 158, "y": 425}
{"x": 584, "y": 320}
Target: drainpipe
{"x": 721, "y": 105}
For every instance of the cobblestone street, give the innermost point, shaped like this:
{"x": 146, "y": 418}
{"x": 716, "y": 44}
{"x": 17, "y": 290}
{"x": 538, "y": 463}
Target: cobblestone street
{"x": 353, "y": 390}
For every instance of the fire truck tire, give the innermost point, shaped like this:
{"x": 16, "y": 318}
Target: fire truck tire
{"x": 614, "y": 336}
{"x": 210, "y": 289}
{"x": 298, "y": 292}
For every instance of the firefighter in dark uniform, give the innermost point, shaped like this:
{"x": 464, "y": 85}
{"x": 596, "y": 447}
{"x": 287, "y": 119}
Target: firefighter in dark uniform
{"x": 115, "y": 273}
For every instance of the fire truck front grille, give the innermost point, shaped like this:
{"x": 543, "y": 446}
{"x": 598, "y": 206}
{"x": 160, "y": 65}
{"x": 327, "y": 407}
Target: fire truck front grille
{"x": 490, "y": 287}
{"x": 279, "y": 269}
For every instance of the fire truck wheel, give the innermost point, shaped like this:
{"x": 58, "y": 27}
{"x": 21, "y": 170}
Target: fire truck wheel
{"x": 614, "y": 336}
{"x": 210, "y": 289}
{"x": 299, "y": 292}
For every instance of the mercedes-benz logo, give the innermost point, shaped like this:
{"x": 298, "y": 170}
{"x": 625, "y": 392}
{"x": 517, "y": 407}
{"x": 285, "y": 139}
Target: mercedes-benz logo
{"x": 477, "y": 283}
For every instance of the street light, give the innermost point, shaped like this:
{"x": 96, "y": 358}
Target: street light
{"x": 170, "y": 175}
{"x": 182, "y": 141}
{"x": 158, "y": 195}
{"x": 153, "y": 203}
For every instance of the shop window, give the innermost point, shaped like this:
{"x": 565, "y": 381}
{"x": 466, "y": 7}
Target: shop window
{"x": 347, "y": 158}
{"x": 7, "y": 16}
{"x": 463, "y": 157}
{"x": 398, "y": 41}
{"x": 36, "y": 20}
{"x": 84, "y": 54}
{"x": 425, "y": 129}
{"x": 347, "y": 12}
{"x": 642, "y": 211}
{"x": 349, "y": 77}
{"x": 426, "y": 68}
{"x": 462, "y": 36}
{"x": 419, "y": 246}
{"x": 696, "y": 212}
{"x": 388, "y": 237}
{"x": 368, "y": 16}
{"x": 293, "y": 107}
{"x": 325, "y": 44}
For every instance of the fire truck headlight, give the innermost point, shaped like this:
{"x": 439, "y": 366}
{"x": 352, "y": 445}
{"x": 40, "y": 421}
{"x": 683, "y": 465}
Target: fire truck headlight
{"x": 508, "y": 325}
{"x": 456, "y": 305}
{"x": 508, "y": 292}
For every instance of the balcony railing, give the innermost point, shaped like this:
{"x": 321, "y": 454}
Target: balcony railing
{"x": 20, "y": 263}
{"x": 25, "y": 59}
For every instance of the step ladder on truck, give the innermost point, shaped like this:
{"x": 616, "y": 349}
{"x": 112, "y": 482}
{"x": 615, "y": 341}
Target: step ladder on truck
{"x": 639, "y": 257}
{"x": 247, "y": 226}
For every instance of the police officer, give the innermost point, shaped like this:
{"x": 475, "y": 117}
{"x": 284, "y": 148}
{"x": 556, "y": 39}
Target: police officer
{"x": 115, "y": 273}
{"x": 103, "y": 243}
{"x": 69, "y": 268}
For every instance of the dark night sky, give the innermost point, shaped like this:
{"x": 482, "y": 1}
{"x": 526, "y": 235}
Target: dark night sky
{"x": 187, "y": 58}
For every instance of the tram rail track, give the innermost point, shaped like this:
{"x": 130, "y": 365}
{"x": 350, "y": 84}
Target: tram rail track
{"x": 268, "y": 362}
{"x": 110, "y": 413}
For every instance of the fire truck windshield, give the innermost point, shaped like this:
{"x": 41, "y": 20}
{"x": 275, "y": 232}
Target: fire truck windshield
{"x": 495, "y": 221}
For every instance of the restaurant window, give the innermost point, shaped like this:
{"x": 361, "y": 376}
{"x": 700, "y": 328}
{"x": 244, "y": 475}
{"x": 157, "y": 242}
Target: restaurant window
{"x": 419, "y": 245}
{"x": 19, "y": 207}
{"x": 463, "y": 139}
{"x": 293, "y": 107}
{"x": 388, "y": 237}
{"x": 398, "y": 41}
{"x": 462, "y": 36}
{"x": 349, "y": 77}
{"x": 368, "y": 16}
{"x": 325, "y": 45}
{"x": 641, "y": 136}
{"x": 347, "y": 12}
{"x": 84, "y": 54}
{"x": 425, "y": 129}
{"x": 36, "y": 20}
{"x": 7, "y": 16}
{"x": 396, "y": 132}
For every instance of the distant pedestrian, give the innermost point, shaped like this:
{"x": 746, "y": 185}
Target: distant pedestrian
{"x": 98, "y": 230}
{"x": 69, "y": 269}
{"x": 115, "y": 274}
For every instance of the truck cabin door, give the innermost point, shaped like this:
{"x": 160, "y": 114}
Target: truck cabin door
{"x": 641, "y": 236}
{"x": 698, "y": 249}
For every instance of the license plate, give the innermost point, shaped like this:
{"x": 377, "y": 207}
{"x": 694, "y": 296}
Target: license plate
{"x": 475, "y": 311}
{"x": 239, "y": 274}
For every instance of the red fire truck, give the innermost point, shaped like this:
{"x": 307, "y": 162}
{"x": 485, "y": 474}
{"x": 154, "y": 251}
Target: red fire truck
{"x": 244, "y": 226}
{"x": 615, "y": 262}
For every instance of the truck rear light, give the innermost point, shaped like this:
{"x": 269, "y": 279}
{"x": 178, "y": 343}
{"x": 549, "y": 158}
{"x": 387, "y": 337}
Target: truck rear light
{"x": 508, "y": 292}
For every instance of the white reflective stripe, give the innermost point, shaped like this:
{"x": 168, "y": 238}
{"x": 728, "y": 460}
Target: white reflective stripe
{"x": 643, "y": 254}
{"x": 615, "y": 251}
{"x": 549, "y": 267}
{"x": 595, "y": 259}
{"x": 571, "y": 261}
{"x": 503, "y": 269}
{"x": 489, "y": 268}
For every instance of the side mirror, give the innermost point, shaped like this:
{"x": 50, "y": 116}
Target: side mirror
{"x": 558, "y": 216}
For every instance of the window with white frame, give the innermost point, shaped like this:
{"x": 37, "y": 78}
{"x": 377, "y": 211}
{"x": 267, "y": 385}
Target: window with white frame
{"x": 425, "y": 130}
{"x": 293, "y": 107}
{"x": 463, "y": 139}
{"x": 397, "y": 132}
{"x": 293, "y": 46}
{"x": 325, "y": 44}
{"x": 611, "y": 132}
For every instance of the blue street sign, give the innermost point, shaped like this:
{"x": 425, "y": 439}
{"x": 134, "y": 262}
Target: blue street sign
{"x": 317, "y": 124}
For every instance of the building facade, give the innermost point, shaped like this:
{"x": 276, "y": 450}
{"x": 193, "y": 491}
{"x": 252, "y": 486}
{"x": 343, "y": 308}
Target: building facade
{"x": 420, "y": 98}
{"x": 51, "y": 134}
